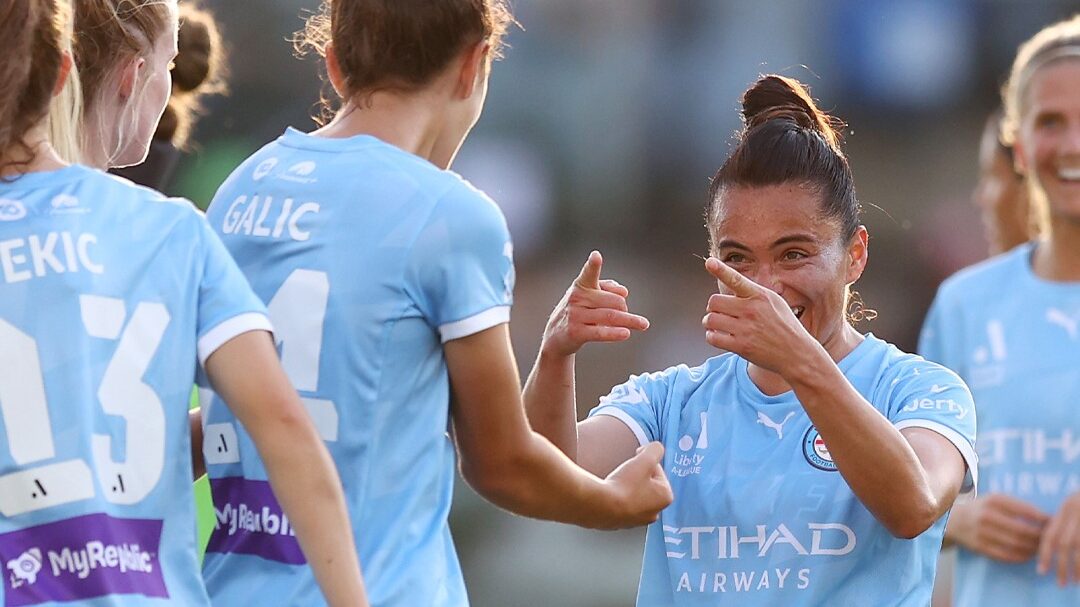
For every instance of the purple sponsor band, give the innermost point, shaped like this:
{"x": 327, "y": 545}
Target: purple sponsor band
{"x": 82, "y": 558}
{"x": 249, "y": 520}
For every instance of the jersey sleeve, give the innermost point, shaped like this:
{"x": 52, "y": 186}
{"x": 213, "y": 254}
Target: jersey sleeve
{"x": 461, "y": 267}
{"x": 927, "y": 395}
{"x": 227, "y": 305}
{"x": 638, "y": 403}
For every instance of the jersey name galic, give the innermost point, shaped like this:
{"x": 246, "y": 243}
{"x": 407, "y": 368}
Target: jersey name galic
{"x": 368, "y": 259}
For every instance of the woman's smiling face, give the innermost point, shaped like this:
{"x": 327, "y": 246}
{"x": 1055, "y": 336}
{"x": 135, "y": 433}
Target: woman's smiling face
{"x": 777, "y": 236}
{"x": 1048, "y": 141}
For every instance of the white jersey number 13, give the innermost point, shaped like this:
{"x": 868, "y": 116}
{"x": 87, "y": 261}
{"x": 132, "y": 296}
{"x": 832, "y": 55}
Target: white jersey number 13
{"x": 122, "y": 393}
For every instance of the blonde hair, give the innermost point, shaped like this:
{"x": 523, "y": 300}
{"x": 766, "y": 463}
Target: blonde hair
{"x": 64, "y": 121}
{"x": 103, "y": 33}
{"x": 1060, "y": 40}
{"x": 1053, "y": 43}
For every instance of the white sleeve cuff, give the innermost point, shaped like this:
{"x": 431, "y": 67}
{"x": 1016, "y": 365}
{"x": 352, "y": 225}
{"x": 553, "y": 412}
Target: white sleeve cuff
{"x": 224, "y": 331}
{"x": 625, "y": 418}
{"x": 971, "y": 479}
{"x": 474, "y": 324}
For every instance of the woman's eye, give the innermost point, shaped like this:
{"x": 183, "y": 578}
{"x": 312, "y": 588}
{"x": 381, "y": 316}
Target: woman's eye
{"x": 1048, "y": 121}
{"x": 734, "y": 258}
{"x": 794, "y": 256}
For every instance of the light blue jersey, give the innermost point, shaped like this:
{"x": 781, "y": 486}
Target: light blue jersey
{"x": 761, "y": 514}
{"x": 369, "y": 258}
{"x": 1014, "y": 339}
{"x": 109, "y": 296}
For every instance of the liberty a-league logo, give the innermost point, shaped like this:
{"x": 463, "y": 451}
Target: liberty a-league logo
{"x": 988, "y": 359}
{"x": 816, "y": 452}
{"x": 691, "y": 454}
{"x": 25, "y": 568}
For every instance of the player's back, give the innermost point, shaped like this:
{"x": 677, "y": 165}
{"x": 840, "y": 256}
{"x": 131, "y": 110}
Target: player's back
{"x": 369, "y": 258}
{"x": 101, "y": 299}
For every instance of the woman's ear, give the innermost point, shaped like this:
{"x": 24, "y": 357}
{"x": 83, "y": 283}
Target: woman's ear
{"x": 474, "y": 67}
{"x": 66, "y": 62}
{"x": 858, "y": 251}
{"x": 130, "y": 76}
{"x": 334, "y": 72}
{"x": 1019, "y": 160}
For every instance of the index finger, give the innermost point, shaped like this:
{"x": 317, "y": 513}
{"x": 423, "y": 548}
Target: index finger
{"x": 739, "y": 284}
{"x": 589, "y": 278}
{"x": 1022, "y": 509}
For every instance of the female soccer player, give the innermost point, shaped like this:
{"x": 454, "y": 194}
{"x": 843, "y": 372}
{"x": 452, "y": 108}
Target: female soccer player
{"x": 389, "y": 282}
{"x": 1009, "y": 328}
{"x": 109, "y": 294}
{"x": 811, "y": 464}
{"x": 198, "y": 71}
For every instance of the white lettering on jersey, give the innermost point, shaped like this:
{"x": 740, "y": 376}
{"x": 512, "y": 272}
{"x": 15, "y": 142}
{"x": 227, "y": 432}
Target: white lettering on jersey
{"x": 243, "y": 518}
{"x": 250, "y": 218}
{"x": 939, "y": 404}
{"x": 37, "y": 256}
{"x": 725, "y": 542}
{"x": 96, "y": 555}
{"x": 1027, "y": 446}
{"x": 742, "y": 581}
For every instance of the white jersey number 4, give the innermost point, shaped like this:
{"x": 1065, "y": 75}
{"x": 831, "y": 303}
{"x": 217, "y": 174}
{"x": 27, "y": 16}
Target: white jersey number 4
{"x": 122, "y": 393}
{"x": 298, "y": 313}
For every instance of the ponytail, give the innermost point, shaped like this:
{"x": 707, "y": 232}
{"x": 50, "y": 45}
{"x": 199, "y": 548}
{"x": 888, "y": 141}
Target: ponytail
{"x": 787, "y": 139}
{"x": 34, "y": 29}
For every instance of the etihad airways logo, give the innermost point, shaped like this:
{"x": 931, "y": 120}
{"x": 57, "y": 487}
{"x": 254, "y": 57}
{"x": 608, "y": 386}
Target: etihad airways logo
{"x": 731, "y": 542}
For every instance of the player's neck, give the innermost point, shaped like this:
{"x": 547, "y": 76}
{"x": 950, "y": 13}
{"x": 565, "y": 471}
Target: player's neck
{"x": 34, "y": 156}
{"x": 838, "y": 346}
{"x": 1057, "y": 258}
{"x": 414, "y": 123}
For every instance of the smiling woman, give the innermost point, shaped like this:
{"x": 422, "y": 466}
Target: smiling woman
{"x": 808, "y": 461}
{"x": 1009, "y": 327}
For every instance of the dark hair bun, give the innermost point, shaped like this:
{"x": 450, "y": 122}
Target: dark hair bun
{"x": 775, "y": 97}
{"x": 199, "y": 43}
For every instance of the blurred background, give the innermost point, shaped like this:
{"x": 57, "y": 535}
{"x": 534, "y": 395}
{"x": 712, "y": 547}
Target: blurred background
{"x": 603, "y": 125}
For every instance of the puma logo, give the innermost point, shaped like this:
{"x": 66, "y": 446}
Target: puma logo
{"x": 1063, "y": 320}
{"x": 767, "y": 421}
{"x": 629, "y": 394}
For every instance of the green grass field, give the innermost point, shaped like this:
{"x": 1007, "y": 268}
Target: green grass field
{"x": 204, "y": 508}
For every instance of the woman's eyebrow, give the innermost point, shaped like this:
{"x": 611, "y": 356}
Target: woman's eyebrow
{"x": 783, "y": 240}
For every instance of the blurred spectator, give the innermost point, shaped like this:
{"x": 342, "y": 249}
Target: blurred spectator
{"x": 1000, "y": 193}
